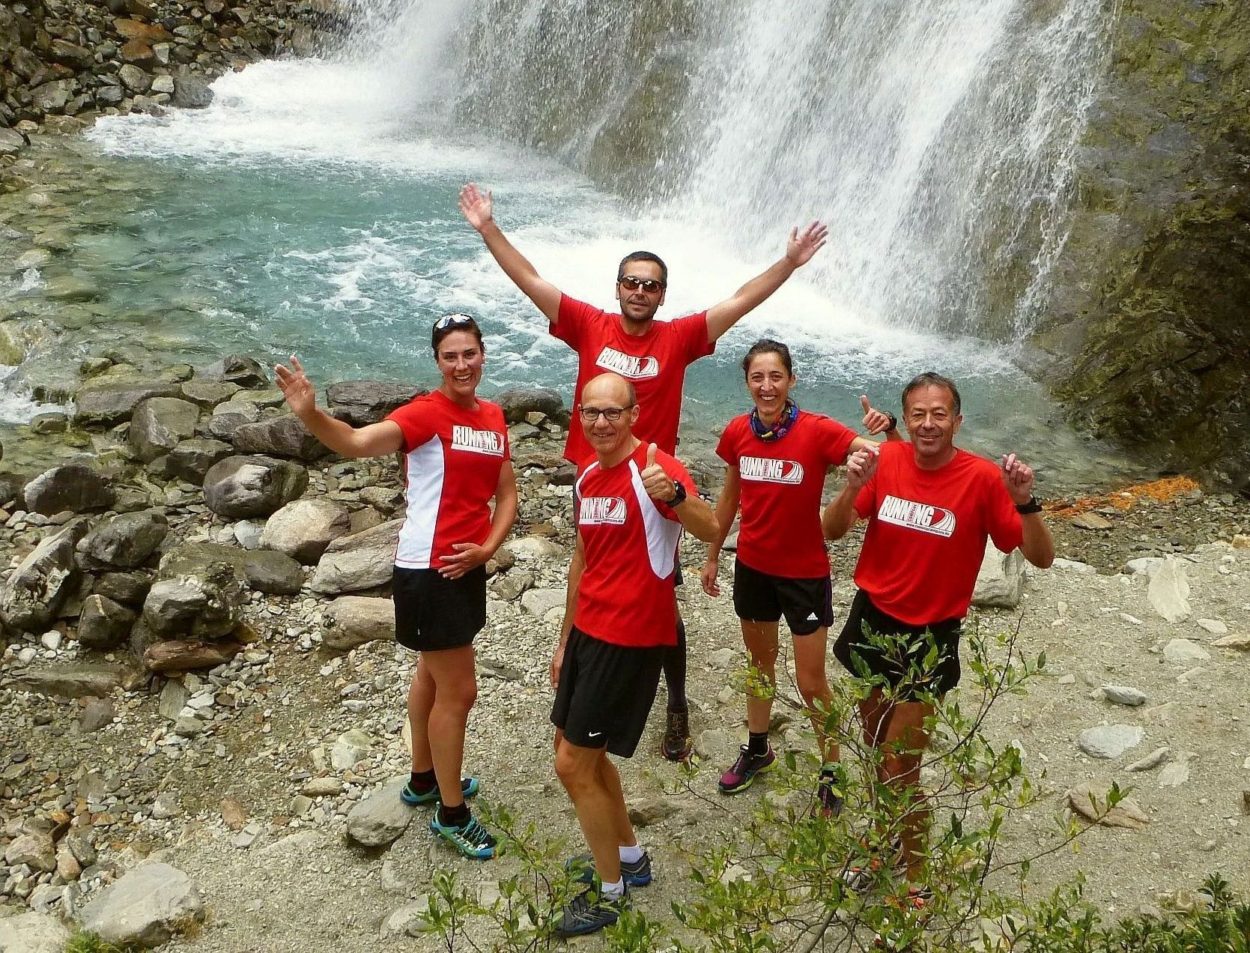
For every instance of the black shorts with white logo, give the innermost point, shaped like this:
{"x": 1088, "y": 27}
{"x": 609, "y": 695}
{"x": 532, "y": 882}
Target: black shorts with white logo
{"x": 605, "y": 693}
{"x": 807, "y": 604}
{"x": 433, "y": 613}
{"x": 899, "y": 655}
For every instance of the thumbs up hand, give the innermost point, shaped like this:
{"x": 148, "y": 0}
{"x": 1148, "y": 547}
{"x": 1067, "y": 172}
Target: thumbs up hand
{"x": 875, "y": 421}
{"x": 655, "y": 481}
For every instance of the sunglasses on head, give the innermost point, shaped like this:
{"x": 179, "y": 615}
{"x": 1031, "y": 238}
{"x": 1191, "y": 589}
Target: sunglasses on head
{"x": 633, "y": 283}
{"x": 451, "y": 320}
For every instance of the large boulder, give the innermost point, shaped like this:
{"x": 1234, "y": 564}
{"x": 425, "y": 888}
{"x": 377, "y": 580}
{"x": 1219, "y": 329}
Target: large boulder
{"x": 145, "y": 908}
{"x": 230, "y": 416}
{"x": 123, "y": 542}
{"x": 191, "y": 92}
{"x": 159, "y": 424}
{"x": 33, "y": 933}
{"x": 244, "y": 486}
{"x": 360, "y": 561}
{"x": 208, "y": 393}
{"x": 304, "y": 528}
{"x": 1000, "y": 581}
{"x": 262, "y": 570}
{"x": 367, "y": 402}
{"x": 103, "y": 623}
{"x": 128, "y": 588}
{"x": 72, "y": 487}
{"x": 105, "y": 403}
{"x": 34, "y": 592}
{"x": 355, "y": 620}
{"x": 272, "y": 572}
{"x": 284, "y": 436}
{"x": 516, "y": 402}
{"x": 204, "y": 606}
{"x": 193, "y": 458}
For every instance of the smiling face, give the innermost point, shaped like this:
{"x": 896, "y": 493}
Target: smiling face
{"x": 613, "y": 394}
{"x": 639, "y": 304}
{"x": 932, "y": 422}
{"x": 460, "y": 357}
{"x": 769, "y": 383}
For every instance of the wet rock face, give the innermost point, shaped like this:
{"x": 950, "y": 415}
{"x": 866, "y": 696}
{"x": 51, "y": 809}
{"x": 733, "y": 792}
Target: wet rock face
{"x": 243, "y": 486}
{"x": 1146, "y": 338}
{"x": 73, "y": 487}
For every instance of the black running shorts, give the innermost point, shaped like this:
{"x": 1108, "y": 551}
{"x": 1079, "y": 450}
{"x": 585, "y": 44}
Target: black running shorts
{"x": 806, "y": 603}
{"x": 900, "y": 658}
{"x": 605, "y": 693}
{"x": 433, "y": 613}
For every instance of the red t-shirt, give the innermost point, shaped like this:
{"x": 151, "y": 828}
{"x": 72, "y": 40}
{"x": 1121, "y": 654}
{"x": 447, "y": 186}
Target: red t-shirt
{"x": 927, "y": 531}
{"x": 452, "y": 459}
{"x": 655, "y": 363}
{"x": 630, "y": 541}
{"x": 781, "y": 483}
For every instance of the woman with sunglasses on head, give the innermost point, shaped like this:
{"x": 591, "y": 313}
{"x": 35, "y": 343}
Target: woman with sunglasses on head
{"x": 777, "y": 456}
{"x": 456, "y": 460}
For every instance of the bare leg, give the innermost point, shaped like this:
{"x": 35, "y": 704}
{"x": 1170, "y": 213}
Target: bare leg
{"x": 809, "y": 669}
{"x": 761, "y": 642}
{"x": 904, "y": 745}
{"x": 598, "y": 808}
{"x": 420, "y": 701}
{"x": 454, "y": 677}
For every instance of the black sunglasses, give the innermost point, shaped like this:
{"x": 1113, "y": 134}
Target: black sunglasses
{"x": 632, "y": 283}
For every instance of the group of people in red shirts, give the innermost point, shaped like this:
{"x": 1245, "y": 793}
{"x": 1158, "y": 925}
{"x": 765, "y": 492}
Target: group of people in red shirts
{"x": 930, "y": 508}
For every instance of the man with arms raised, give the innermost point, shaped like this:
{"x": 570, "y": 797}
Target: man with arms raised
{"x": 652, "y": 355}
{"x": 632, "y": 501}
{"x": 930, "y": 509}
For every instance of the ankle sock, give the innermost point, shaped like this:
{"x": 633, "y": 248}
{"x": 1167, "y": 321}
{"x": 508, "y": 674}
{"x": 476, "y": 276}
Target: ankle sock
{"x": 613, "y": 891}
{"x": 757, "y": 743}
{"x": 422, "y": 781}
{"x": 456, "y": 816}
{"x": 630, "y": 855}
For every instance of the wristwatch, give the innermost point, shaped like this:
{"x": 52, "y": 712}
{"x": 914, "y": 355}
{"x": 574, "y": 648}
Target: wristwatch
{"x": 679, "y": 493}
{"x": 1032, "y": 506}
{"x": 893, "y": 421}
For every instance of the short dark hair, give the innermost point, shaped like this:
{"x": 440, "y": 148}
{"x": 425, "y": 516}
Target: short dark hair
{"x": 768, "y": 346}
{"x": 449, "y": 323}
{"x": 931, "y": 379}
{"x": 643, "y": 256}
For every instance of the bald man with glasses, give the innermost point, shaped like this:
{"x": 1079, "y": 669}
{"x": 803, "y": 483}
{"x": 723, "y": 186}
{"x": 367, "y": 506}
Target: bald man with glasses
{"x": 652, "y": 355}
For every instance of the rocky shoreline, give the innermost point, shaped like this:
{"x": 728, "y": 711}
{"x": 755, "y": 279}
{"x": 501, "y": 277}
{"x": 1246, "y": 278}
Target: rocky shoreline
{"x": 200, "y": 670}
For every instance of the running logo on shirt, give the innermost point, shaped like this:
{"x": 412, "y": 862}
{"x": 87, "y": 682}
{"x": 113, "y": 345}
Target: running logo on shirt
{"x": 628, "y": 366}
{"x": 476, "y": 441}
{"x": 935, "y": 520}
{"x": 601, "y": 511}
{"x": 766, "y": 470}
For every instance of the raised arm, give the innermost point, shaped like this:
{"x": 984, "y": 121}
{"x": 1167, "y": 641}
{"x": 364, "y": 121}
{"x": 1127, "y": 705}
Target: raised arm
{"x": 478, "y": 209}
{"x": 372, "y": 440}
{"x": 726, "y": 510}
{"x": 799, "y": 251}
{"x": 875, "y": 422}
{"x": 839, "y": 516}
{"x": 695, "y": 515}
{"x": 1037, "y": 545}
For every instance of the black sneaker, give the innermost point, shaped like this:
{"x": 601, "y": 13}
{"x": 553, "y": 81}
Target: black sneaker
{"x": 589, "y": 912}
{"x": 637, "y": 874}
{"x": 828, "y": 798}
{"x": 677, "y": 745}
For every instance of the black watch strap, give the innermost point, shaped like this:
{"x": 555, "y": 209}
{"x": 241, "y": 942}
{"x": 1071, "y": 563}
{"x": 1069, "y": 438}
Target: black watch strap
{"x": 679, "y": 493}
{"x": 1033, "y": 506}
{"x": 893, "y": 421}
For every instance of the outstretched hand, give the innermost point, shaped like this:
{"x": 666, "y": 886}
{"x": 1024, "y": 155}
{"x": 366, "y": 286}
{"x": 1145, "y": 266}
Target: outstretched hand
{"x": 860, "y": 466}
{"x": 803, "y": 245}
{"x": 476, "y": 206}
{"x": 658, "y": 484}
{"x": 296, "y": 387}
{"x": 875, "y": 421}
{"x": 1018, "y": 478}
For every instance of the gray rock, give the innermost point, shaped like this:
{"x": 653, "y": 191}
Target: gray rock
{"x": 11, "y": 142}
{"x": 409, "y": 920}
{"x": 208, "y": 393}
{"x": 32, "y": 932}
{"x": 159, "y": 424}
{"x": 1169, "y": 591}
{"x": 103, "y": 623}
{"x": 230, "y": 416}
{"x": 244, "y": 486}
{"x": 304, "y": 528}
{"x": 539, "y": 602}
{"x": 1123, "y": 695}
{"x": 1110, "y": 741}
{"x": 1091, "y": 521}
{"x": 191, "y": 459}
{"x": 52, "y": 97}
{"x": 240, "y": 370}
{"x": 1000, "y": 581}
{"x": 191, "y": 92}
{"x": 349, "y": 748}
{"x": 367, "y": 402}
{"x": 204, "y": 606}
{"x": 1072, "y": 565}
{"x": 96, "y": 714}
{"x": 105, "y": 403}
{"x": 1174, "y": 774}
{"x": 1144, "y": 565}
{"x": 532, "y": 548}
{"x": 71, "y": 487}
{"x": 509, "y": 586}
{"x": 381, "y": 818}
{"x": 361, "y": 561}
{"x": 355, "y": 620}
{"x": 1185, "y": 652}
{"x": 34, "y": 592}
{"x": 134, "y": 79}
{"x": 716, "y": 745}
{"x": 174, "y": 696}
{"x": 519, "y": 401}
{"x": 271, "y": 572}
{"x": 247, "y": 533}
{"x": 1152, "y": 760}
{"x": 284, "y": 436}
{"x": 146, "y": 907}
{"x": 77, "y": 679}
{"x": 35, "y": 850}
{"x": 128, "y": 588}
{"x": 647, "y": 811}
{"x": 123, "y": 542}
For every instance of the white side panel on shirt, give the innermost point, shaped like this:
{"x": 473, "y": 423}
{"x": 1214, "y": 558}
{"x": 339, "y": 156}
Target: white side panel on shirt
{"x": 424, "y": 492}
{"x": 662, "y": 534}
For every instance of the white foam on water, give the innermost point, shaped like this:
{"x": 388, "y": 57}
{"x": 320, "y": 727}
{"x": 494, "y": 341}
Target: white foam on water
{"x": 21, "y": 408}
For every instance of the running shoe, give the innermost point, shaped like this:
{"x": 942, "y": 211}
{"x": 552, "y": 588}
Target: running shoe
{"x": 636, "y": 874}
{"x": 677, "y": 744}
{"x": 470, "y": 838}
{"x": 739, "y": 777}
{"x": 468, "y": 788}
{"x": 828, "y": 800}
{"x": 589, "y": 912}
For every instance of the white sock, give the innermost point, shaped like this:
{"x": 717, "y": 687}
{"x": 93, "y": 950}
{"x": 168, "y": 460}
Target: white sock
{"x": 613, "y": 891}
{"x": 631, "y": 855}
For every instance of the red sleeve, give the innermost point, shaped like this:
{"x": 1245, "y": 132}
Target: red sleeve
{"x": 678, "y": 474}
{"x": 727, "y": 447}
{"x": 692, "y": 333}
{"x": 573, "y": 320}
{"x": 1001, "y": 519}
{"x": 836, "y": 440}
{"x": 415, "y": 422}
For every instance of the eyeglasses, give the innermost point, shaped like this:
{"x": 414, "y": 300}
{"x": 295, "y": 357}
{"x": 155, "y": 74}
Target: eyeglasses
{"x": 451, "y": 320}
{"x": 591, "y": 414}
{"x": 632, "y": 283}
